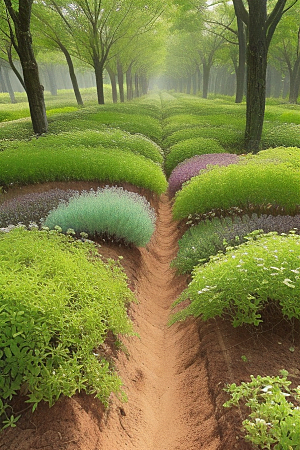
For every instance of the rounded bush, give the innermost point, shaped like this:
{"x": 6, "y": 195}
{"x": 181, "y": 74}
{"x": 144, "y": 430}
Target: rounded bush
{"x": 32, "y": 207}
{"x": 208, "y": 238}
{"x": 112, "y": 212}
{"x": 189, "y": 148}
{"x": 28, "y": 164}
{"x": 192, "y": 166}
{"x": 240, "y": 185}
{"x": 242, "y": 282}
{"x": 58, "y": 302}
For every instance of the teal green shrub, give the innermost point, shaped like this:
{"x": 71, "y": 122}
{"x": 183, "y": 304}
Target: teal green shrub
{"x": 188, "y": 148}
{"x": 240, "y": 185}
{"x": 242, "y": 282}
{"x": 58, "y": 302}
{"x": 112, "y": 212}
{"x": 30, "y": 164}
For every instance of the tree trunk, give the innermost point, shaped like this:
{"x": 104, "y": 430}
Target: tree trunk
{"x": 112, "y": 77}
{"x": 294, "y": 81}
{"x": 241, "y": 69}
{"x": 34, "y": 90}
{"x": 129, "y": 83}
{"x": 120, "y": 81}
{"x": 52, "y": 80}
{"x": 194, "y": 84}
{"x": 188, "y": 85}
{"x": 206, "y": 71}
{"x": 256, "y": 74}
{"x": 72, "y": 74}
{"x": 23, "y": 44}
{"x": 98, "y": 67}
{"x": 136, "y": 86}
{"x": 8, "y": 84}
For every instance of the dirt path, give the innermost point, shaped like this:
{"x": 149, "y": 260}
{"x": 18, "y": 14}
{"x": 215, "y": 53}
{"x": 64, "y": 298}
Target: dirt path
{"x": 168, "y": 407}
{"x": 173, "y": 377}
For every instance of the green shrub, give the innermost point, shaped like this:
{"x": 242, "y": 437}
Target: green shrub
{"x": 112, "y": 212}
{"x": 289, "y": 155}
{"x": 188, "y": 148}
{"x": 183, "y": 121}
{"x": 208, "y": 238}
{"x": 240, "y": 185}
{"x": 31, "y": 164}
{"x": 242, "y": 282}
{"x": 133, "y": 123}
{"x": 108, "y": 138}
{"x": 230, "y": 138}
{"x": 274, "y": 419}
{"x": 276, "y": 135}
{"x": 58, "y": 302}
{"x": 32, "y": 207}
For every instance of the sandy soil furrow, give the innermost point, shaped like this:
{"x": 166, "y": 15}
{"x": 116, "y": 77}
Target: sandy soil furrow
{"x": 169, "y": 406}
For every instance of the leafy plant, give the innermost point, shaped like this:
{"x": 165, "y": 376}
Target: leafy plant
{"x": 243, "y": 185}
{"x": 275, "y": 135}
{"x": 189, "y": 148}
{"x": 209, "y": 237}
{"x": 191, "y": 167}
{"x": 58, "y": 302}
{"x": 32, "y": 207}
{"x": 112, "y": 212}
{"x": 29, "y": 164}
{"x": 274, "y": 419}
{"x": 242, "y": 282}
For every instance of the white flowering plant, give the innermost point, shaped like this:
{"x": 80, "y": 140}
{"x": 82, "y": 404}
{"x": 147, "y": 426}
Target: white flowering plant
{"x": 274, "y": 419}
{"x": 241, "y": 283}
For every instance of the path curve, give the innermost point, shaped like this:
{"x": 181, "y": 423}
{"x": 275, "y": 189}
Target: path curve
{"x": 165, "y": 378}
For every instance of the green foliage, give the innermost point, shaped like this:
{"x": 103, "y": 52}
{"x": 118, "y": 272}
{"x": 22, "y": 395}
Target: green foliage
{"x": 274, "y": 420}
{"x": 289, "y": 155}
{"x": 209, "y": 237}
{"x": 113, "y": 212}
{"x": 134, "y": 123}
{"x": 109, "y": 138}
{"x": 188, "y": 148}
{"x": 275, "y": 135}
{"x": 230, "y": 138}
{"x": 58, "y": 302}
{"x": 32, "y": 163}
{"x": 242, "y": 282}
{"x": 240, "y": 185}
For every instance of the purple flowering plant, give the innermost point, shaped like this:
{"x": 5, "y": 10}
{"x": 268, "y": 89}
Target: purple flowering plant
{"x": 192, "y": 166}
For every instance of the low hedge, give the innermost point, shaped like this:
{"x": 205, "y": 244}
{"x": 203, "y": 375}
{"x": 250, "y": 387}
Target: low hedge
{"x": 243, "y": 185}
{"x": 110, "y": 212}
{"x": 32, "y": 164}
{"x": 241, "y": 283}
{"x": 188, "y": 148}
{"x": 58, "y": 303}
{"x": 209, "y": 237}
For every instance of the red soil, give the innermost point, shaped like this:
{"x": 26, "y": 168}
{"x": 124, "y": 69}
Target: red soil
{"x": 173, "y": 377}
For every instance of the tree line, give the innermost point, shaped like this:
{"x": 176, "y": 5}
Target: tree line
{"x": 134, "y": 39}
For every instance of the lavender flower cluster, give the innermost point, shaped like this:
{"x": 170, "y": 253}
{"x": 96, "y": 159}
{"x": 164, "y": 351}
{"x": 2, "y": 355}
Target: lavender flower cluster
{"x": 192, "y": 166}
{"x": 32, "y": 207}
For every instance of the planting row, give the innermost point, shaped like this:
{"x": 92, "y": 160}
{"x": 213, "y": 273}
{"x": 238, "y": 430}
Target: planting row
{"x": 242, "y": 248}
